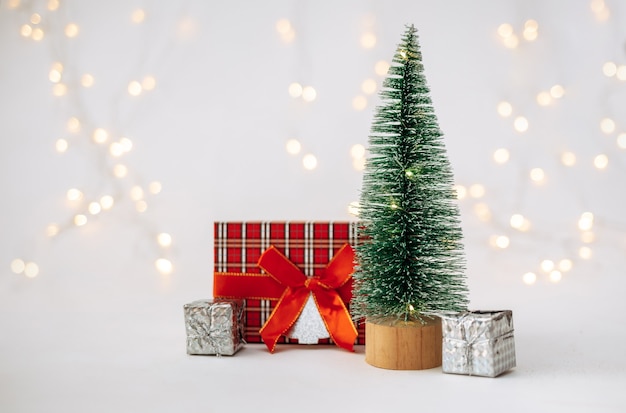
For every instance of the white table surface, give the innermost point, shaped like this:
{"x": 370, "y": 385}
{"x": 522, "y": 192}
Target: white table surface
{"x": 72, "y": 345}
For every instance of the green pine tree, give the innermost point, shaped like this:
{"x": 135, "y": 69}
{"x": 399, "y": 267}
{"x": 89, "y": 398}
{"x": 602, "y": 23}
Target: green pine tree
{"x": 413, "y": 260}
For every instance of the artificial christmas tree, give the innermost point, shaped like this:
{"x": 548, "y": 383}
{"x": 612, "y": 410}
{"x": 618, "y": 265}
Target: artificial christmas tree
{"x": 412, "y": 262}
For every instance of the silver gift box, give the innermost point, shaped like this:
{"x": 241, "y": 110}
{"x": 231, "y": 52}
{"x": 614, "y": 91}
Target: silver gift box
{"x": 478, "y": 343}
{"x": 214, "y": 326}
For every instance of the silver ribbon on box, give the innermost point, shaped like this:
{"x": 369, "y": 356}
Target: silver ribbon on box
{"x": 214, "y": 327}
{"x": 478, "y": 343}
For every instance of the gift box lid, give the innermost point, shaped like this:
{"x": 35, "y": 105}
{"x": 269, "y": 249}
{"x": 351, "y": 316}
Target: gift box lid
{"x": 472, "y": 326}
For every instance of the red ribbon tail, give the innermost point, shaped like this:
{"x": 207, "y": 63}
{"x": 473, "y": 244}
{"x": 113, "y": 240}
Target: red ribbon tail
{"x": 336, "y": 318}
{"x": 284, "y": 316}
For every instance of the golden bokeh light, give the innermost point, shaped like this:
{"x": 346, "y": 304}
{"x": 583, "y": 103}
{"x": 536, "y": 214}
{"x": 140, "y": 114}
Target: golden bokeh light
{"x": 381, "y": 67}
{"x": 164, "y": 266}
{"x": 293, "y": 146}
{"x": 164, "y": 239}
{"x": 309, "y": 162}
{"x": 295, "y": 90}
{"x": 501, "y": 155}
{"x": 309, "y": 93}
{"x": 138, "y": 16}
{"x": 359, "y": 102}
{"x": 505, "y": 109}
{"x": 155, "y": 187}
{"x": 86, "y": 80}
{"x": 368, "y": 40}
{"x": 71, "y": 30}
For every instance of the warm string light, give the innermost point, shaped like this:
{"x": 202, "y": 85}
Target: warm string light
{"x": 381, "y": 67}
{"x": 305, "y": 93}
{"x": 309, "y": 161}
{"x": 82, "y": 210}
{"x": 511, "y": 40}
{"x": 505, "y": 109}
{"x": 368, "y": 40}
{"x": 461, "y": 191}
{"x": 501, "y": 155}
{"x": 354, "y": 208}
{"x": 120, "y": 147}
{"x": 477, "y": 191}
{"x": 548, "y": 97}
{"x": 537, "y": 176}
{"x": 554, "y": 270}
{"x": 568, "y": 158}
{"x": 368, "y": 88}
{"x": 482, "y": 211}
{"x": 164, "y": 239}
{"x": 359, "y": 102}
{"x": 87, "y": 80}
{"x": 164, "y": 266}
{"x": 286, "y": 30}
{"x": 519, "y": 222}
{"x": 601, "y": 161}
{"x": 499, "y": 241}
{"x": 607, "y": 125}
{"x": 529, "y": 278}
{"x": 520, "y": 124}
{"x": 357, "y": 152}
{"x": 138, "y": 16}
{"x": 27, "y": 269}
{"x": 34, "y": 28}
{"x": 531, "y": 30}
{"x": 294, "y": 147}
{"x": 85, "y": 208}
{"x": 599, "y": 9}
{"x": 71, "y": 30}
{"x": 308, "y": 94}
{"x": 611, "y": 69}
{"x": 13, "y": 4}
{"x": 136, "y": 87}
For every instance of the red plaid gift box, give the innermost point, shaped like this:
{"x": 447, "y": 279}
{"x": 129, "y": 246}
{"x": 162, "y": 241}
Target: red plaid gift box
{"x": 309, "y": 248}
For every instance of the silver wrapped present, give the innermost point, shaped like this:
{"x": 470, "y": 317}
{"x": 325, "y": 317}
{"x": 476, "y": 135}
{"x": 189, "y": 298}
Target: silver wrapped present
{"x": 478, "y": 343}
{"x": 214, "y": 326}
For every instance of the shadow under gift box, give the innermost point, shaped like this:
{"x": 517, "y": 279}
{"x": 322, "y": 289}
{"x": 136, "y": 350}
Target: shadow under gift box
{"x": 214, "y": 327}
{"x": 478, "y": 343}
{"x": 308, "y": 245}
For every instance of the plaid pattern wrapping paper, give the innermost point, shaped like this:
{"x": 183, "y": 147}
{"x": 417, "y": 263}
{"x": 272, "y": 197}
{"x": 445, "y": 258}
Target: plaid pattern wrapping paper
{"x": 309, "y": 245}
{"x": 478, "y": 343}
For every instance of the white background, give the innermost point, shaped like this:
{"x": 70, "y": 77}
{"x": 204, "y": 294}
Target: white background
{"x": 99, "y": 329}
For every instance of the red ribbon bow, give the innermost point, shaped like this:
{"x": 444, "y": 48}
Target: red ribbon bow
{"x": 298, "y": 286}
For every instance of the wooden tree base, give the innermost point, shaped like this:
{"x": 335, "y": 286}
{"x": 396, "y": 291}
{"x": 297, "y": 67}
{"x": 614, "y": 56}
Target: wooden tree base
{"x": 404, "y": 345}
